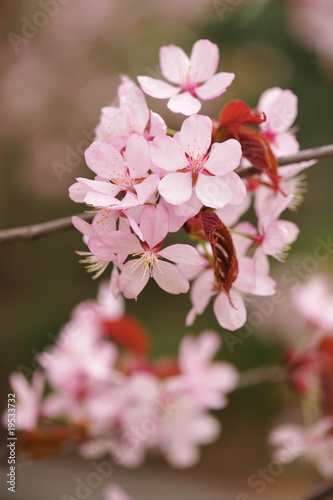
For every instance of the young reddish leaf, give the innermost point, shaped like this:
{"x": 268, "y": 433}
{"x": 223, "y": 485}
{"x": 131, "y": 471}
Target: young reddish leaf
{"x": 224, "y": 253}
{"x": 326, "y": 375}
{"x": 238, "y": 113}
{"x": 128, "y": 333}
{"x": 236, "y": 122}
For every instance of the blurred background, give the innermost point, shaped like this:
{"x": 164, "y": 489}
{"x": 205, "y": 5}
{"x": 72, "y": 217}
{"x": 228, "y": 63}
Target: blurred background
{"x": 58, "y": 68}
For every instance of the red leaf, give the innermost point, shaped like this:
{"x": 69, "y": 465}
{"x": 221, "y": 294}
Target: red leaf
{"x": 129, "y": 333}
{"x": 238, "y": 113}
{"x": 237, "y": 121}
{"x": 224, "y": 253}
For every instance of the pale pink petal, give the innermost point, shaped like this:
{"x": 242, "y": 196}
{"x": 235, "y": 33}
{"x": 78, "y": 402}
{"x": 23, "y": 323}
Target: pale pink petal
{"x": 204, "y": 60}
{"x": 157, "y": 88}
{"x": 291, "y": 229}
{"x": 104, "y": 160}
{"x": 280, "y": 107}
{"x": 157, "y": 125}
{"x": 170, "y": 279}
{"x": 122, "y": 242}
{"x": 184, "y": 103}
{"x": 224, "y": 157}
{"x": 237, "y": 187}
{"x": 230, "y": 214}
{"x": 154, "y": 224}
{"x": 83, "y": 226}
{"x": 131, "y": 95}
{"x": 275, "y": 238}
{"x": 137, "y": 156}
{"x": 176, "y": 188}
{"x": 285, "y": 144}
{"x": 100, "y": 200}
{"x": 215, "y": 86}
{"x": 105, "y": 221}
{"x": 77, "y": 192}
{"x": 102, "y": 187}
{"x": 174, "y": 63}
{"x": 228, "y": 316}
{"x": 196, "y": 135}
{"x": 132, "y": 279}
{"x": 213, "y": 191}
{"x": 101, "y": 250}
{"x": 182, "y": 254}
{"x": 146, "y": 188}
{"x": 202, "y": 291}
{"x": 166, "y": 153}
{"x": 294, "y": 169}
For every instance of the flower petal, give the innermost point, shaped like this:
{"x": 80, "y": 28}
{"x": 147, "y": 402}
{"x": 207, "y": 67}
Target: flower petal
{"x": 137, "y": 156}
{"x": 184, "y": 103}
{"x": 237, "y": 187}
{"x": 196, "y": 135}
{"x": 167, "y": 154}
{"x": 224, "y": 157}
{"x": 132, "y": 279}
{"x": 146, "y": 188}
{"x": 154, "y": 224}
{"x": 176, "y": 188}
{"x": 215, "y": 86}
{"x": 204, "y": 60}
{"x": 104, "y": 160}
{"x": 212, "y": 191}
{"x": 182, "y": 254}
{"x": 157, "y": 88}
{"x": 230, "y": 317}
{"x": 170, "y": 279}
{"x": 174, "y": 63}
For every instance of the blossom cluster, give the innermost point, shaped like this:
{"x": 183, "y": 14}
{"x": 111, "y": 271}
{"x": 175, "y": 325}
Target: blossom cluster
{"x": 99, "y": 388}
{"x": 151, "y": 181}
{"x": 309, "y": 364}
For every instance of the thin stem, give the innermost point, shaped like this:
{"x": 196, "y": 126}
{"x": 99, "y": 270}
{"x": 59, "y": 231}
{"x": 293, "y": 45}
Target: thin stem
{"x": 261, "y": 375}
{"x": 37, "y": 230}
{"x": 55, "y": 226}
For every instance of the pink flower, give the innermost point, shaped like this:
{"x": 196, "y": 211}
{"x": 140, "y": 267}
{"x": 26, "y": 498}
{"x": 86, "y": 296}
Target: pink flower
{"x": 135, "y": 273}
{"x": 192, "y": 78}
{"x": 280, "y": 107}
{"x": 314, "y": 443}
{"x": 131, "y": 117}
{"x": 191, "y": 165}
{"x": 118, "y": 174}
{"x": 314, "y": 301}
{"x": 114, "y": 492}
{"x": 28, "y": 400}
{"x": 207, "y": 382}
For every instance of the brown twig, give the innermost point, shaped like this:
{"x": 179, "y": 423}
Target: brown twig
{"x": 55, "y": 226}
{"x": 37, "y": 230}
{"x": 261, "y": 375}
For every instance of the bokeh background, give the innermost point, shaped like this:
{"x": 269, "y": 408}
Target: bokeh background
{"x": 52, "y": 86}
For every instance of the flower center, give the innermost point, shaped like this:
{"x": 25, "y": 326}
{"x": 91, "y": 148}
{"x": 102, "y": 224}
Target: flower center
{"x": 146, "y": 263}
{"x": 196, "y": 165}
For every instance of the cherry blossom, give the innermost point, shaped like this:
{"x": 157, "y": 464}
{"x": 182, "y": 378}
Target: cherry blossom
{"x": 206, "y": 381}
{"x": 189, "y": 164}
{"x": 28, "y": 400}
{"x": 135, "y": 273}
{"x": 315, "y": 443}
{"x": 115, "y": 492}
{"x": 131, "y": 117}
{"x": 192, "y": 78}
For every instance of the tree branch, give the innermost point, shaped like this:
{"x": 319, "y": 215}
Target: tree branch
{"x": 37, "y": 230}
{"x": 306, "y": 155}
{"x": 261, "y": 375}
